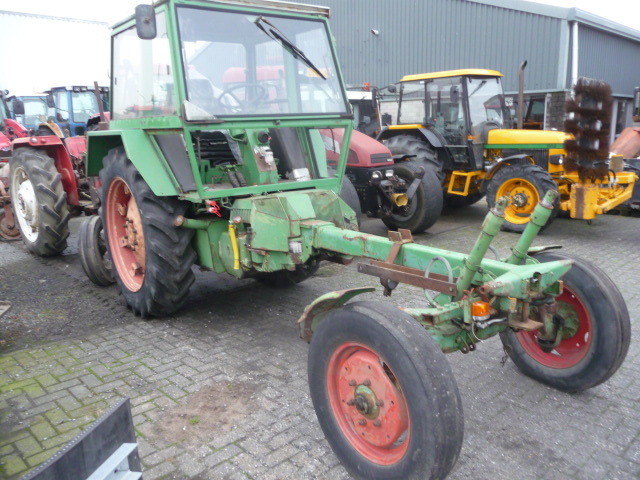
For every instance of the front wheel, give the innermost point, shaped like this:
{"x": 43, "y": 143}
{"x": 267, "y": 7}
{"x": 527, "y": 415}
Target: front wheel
{"x": 92, "y": 248}
{"x": 39, "y": 202}
{"x": 384, "y": 394}
{"x": 425, "y": 207}
{"x": 525, "y": 185}
{"x": 151, "y": 257}
{"x": 595, "y": 328}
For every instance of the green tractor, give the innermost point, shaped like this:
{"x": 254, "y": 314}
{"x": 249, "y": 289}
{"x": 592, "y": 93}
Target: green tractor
{"x": 214, "y": 157}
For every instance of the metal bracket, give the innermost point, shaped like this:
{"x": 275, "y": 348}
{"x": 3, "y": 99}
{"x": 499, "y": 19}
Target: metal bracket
{"x": 398, "y": 238}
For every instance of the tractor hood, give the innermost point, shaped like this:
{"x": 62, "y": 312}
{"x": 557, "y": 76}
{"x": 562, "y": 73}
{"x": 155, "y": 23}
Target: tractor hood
{"x": 521, "y": 138}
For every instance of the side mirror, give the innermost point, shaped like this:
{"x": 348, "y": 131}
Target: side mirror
{"x": 17, "y": 106}
{"x": 455, "y": 94}
{"x": 146, "y": 22}
{"x": 50, "y": 102}
{"x": 392, "y": 88}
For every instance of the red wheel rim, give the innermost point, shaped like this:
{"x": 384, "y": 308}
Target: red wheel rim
{"x": 124, "y": 234}
{"x": 367, "y": 403}
{"x": 572, "y": 349}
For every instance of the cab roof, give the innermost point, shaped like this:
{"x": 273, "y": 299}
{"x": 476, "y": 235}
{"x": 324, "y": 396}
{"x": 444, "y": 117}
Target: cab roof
{"x": 474, "y": 72}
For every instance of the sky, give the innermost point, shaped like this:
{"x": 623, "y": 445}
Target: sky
{"x": 625, "y": 12}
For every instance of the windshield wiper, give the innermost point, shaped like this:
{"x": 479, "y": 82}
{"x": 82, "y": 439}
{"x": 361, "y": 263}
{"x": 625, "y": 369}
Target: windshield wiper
{"x": 275, "y": 34}
{"x": 482, "y": 84}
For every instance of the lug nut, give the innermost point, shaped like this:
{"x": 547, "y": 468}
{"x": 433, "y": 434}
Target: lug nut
{"x": 352, "y": 383}
{"x": 377, "y": 423}
{"x": 367, "y": 383}
{"x": 362, "y": 422}
{"x": 350, "y": 402}
{"x": 379, "y": 403}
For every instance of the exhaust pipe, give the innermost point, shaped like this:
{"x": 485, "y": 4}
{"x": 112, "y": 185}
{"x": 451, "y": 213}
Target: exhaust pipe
{"x": 399, "y": 199}
{"x": 521, "y": 94}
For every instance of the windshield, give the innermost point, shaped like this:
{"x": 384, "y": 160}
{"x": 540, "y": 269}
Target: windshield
{"x": 84, "y": 105}
{"x": 486, "y": 102}
{"x": 35, "y": 110}
{"x": 238, "y": 65}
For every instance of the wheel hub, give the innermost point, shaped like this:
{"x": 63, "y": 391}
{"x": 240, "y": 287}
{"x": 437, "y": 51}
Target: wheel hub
{"x": 519, "y": 200}
{"x": 365, "y": 402}
{"x": 371, "y": 402}
{"x": 125, "y": 234}
{"x": 27, "y": 203}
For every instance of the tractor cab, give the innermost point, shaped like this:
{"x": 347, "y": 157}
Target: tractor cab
{"x": 458, "y": 107}
{"x": 73, "y": 106}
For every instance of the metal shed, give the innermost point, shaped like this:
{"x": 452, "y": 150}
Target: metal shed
{"x": 381, "y": 40}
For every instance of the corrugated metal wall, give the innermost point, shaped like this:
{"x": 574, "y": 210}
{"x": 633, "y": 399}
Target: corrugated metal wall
{"x": 417, "y": 36}
{"x": 605, "y": 56}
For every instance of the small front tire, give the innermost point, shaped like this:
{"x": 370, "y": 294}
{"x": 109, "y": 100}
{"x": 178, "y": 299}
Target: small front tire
{"x": 525, "y": 185}
{"x": 597, "y": 332}
{"x": 92, "y": 248}
{"x": 384, "y": 394}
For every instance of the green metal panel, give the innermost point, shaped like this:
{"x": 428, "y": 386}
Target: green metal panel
{"x": 142, "y": 152}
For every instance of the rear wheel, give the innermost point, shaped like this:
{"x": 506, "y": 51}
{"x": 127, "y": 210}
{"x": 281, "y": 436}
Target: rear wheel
{"x": 424, "y": 208}
{"x": 410, "y": 145}
{"x": 384, "y": 394}
{"x": 151, "y": 257}
{"x": 595, "y": 327}
{"x": 525, "y": 185}
{"x": 349, "y": 195}
{"x": 39, "y": 202}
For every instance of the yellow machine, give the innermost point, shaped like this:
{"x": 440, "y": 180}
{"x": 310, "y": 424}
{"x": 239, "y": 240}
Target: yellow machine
{"x": 457, "y": 122}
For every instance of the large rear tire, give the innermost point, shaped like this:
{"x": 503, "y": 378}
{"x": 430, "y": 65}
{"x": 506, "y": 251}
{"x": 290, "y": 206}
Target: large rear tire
{"x": 384, "y": 394}
{"x": 39, "y": 202}
{"x": 525, "y": 185}
{"x": 349, "y": 195}
{"x": 151, "y": 257}
{"x": 424, "y": 209}
{"x": 410, "y": 145}
{"x": 596, "y": 332}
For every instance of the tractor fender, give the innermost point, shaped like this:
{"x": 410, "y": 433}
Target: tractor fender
{"x": 55, "y": 149}
{"x": 142, "y": 152}
{"x": 434, "y": 138}
{"x": 503, "y": 162}
{"x": 321, "y": 306}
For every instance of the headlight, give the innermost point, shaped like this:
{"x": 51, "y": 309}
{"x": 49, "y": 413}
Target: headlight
{"x": 388, "y": 173}
{"x": 376, "y": 175}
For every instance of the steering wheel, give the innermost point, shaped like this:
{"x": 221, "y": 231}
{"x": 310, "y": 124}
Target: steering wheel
{"x": 261, "y": 94}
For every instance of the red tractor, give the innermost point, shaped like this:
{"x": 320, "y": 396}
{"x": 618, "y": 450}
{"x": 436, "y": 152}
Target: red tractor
{"x": 395, "y": 191}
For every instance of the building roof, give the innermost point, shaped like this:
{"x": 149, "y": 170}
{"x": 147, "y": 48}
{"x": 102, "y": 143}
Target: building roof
{"x": 563, "y": 13}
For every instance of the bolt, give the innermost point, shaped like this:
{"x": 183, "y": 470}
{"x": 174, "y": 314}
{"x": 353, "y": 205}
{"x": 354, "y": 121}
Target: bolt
{"x": 135, "y": 243}
{"x": 367, "y": 383}
{"x": 124, "y": 225}
{"x": 352, "y": 383}
{"x": 362, "y": 422}
{"x": 134, "y": 230}
{"x": 377, "y": 423}
{"x": 122, "y": 209}
{"x": 126, "y": 190}
{"x": 380, "y": 403}
{"x": 124, "y": 242}
{"x": 351, "y": 401}
{"x": 136, "y": 269}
